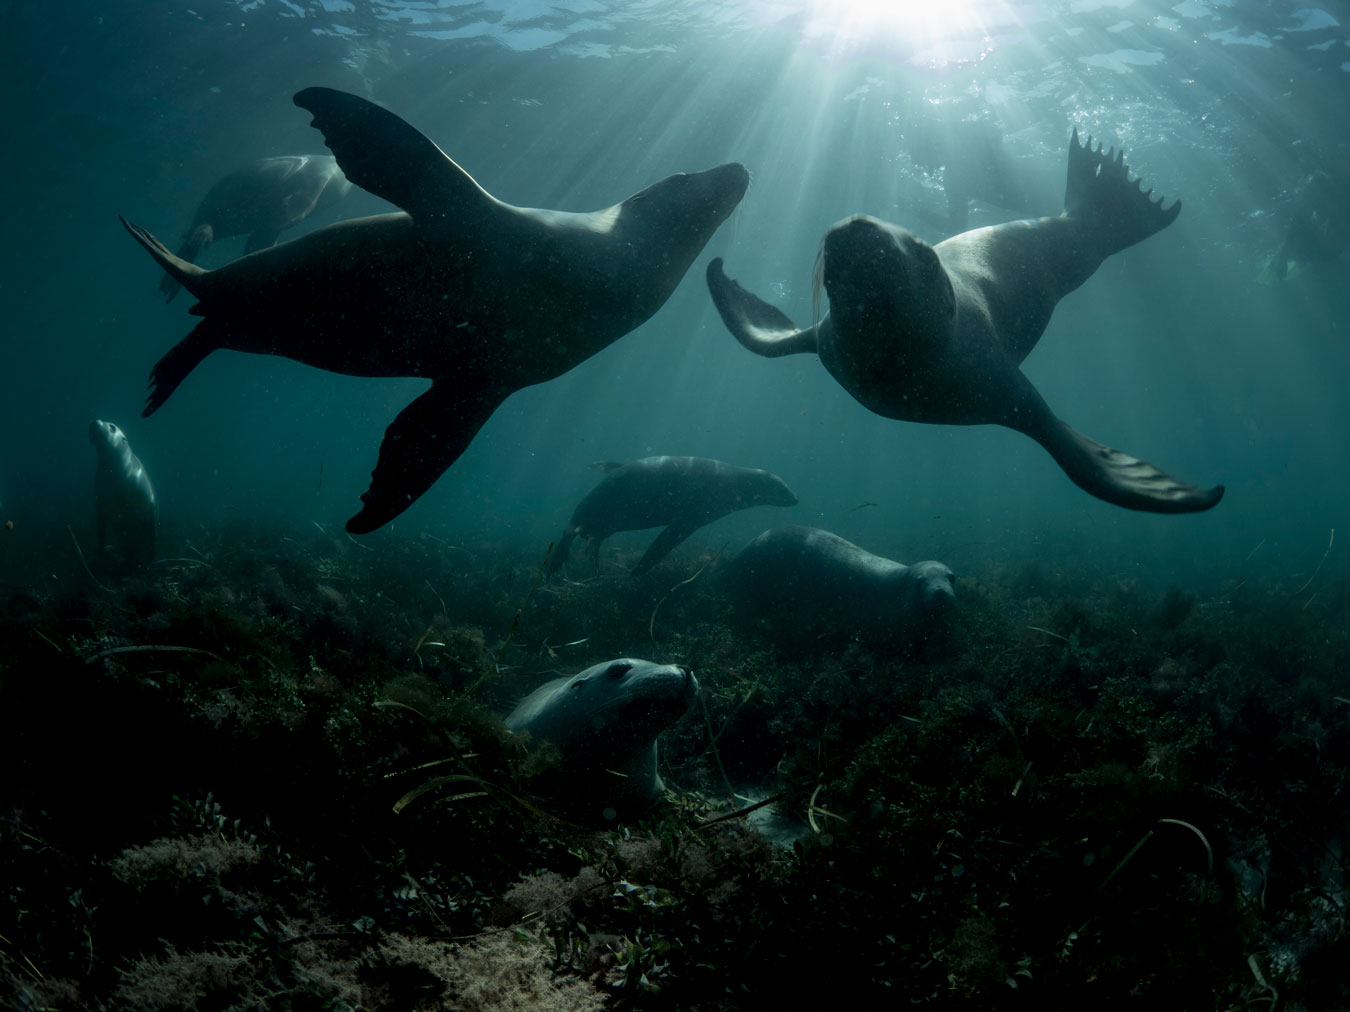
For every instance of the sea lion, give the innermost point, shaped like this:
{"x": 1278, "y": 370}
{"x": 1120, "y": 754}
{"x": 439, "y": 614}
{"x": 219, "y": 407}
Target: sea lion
{"x": 1319, "y": 226}
{"x": 680, "y": 493}
{"x": 605, "y": 721}
{"x": 803, "y": 582}
{"x": 125, "y": 509}
{"x": 937, "y": 333}
{"x": 259, "y": 201}
{"x": 477, "y": 295}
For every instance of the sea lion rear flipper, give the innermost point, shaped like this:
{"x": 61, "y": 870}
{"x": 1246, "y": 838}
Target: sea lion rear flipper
{"x": 663, "y": 545}
{"x": 425, "y": 439}
{"x": 263, "y": 238}
{"x": 387, "y": 156}
{"x": 179, "y": 269}
{"x": 558, "y": 559}
{"x": 1118, "y": 478}
{"x": 1100, "y": 194}
{"x": 756, "y": 324}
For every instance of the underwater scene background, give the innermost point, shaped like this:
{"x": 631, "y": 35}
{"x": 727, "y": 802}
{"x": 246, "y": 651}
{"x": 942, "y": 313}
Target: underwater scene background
{"x": 1115, "y": 772}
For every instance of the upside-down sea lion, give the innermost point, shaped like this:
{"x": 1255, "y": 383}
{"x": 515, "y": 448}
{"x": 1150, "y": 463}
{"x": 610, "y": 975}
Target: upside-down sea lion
{"x": 680, "y": 493}
{"x": 605, "y": 721}
{"x": 259, "y": 201}
{"x": 477, "y": 295}
{"x": 125, "y": 509}
{"x": 803, "y": 582}
{"x": 937, "y": 333}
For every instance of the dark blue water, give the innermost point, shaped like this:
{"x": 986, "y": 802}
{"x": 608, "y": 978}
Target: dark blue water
{"x": 1174, "y": 351}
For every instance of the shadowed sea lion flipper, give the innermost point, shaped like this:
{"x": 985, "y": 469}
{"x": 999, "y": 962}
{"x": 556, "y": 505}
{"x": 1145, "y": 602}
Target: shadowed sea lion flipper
{"x": 426, "y": 438}
{"x": 383, "y": 154}
{"x": 558, "y": 559}
{"x": 1099, "y": 193}
{"x": 1119, "y": 478}
{"x": 756, "y": 324}
{"x": 179, "y": 269}
{"x": 665, "y": 543}
{"x": 180, "y": 360}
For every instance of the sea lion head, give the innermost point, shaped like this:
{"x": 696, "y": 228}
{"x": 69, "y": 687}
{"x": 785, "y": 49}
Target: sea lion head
{"x": 932, "y": 583}
{"x": 604, "y": 721}
{"x": 624, "y": 702}
{"x": 680, "y": 213}
{"x": 882, "y": 280}
{"x": 109, "y": 441}
{"x": 764, "y": 488}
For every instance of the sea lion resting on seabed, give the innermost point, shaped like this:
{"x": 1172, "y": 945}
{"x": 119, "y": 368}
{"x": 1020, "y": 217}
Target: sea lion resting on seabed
{"x": 937, "y": 333}
{"x": 125, "y": 509}
{"x": 605, "y": 721}
{"x": 259, "y": 201}
{"x": 803, "y": 583}
{"x": 477, "y": 295}
{"x": 680, "y": 493}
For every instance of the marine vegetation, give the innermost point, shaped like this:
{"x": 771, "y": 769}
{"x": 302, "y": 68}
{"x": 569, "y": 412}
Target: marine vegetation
{"x": 272, "y": 773}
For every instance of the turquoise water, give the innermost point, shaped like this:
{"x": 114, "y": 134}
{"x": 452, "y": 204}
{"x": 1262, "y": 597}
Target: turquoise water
{"x": 1174, "y": 351}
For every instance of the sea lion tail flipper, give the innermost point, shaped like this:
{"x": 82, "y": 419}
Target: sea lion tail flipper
{"x": 389, "y": 157}
{"x": 752, "y": 321}
{"x": 1119, "y": 478}
{"x": 180, "y": 360}
{"x": 1100, "y": 194}
{"x": 663, "y": 545}
{"x": 180, "y": 270}
{"x": 426, "y": 438}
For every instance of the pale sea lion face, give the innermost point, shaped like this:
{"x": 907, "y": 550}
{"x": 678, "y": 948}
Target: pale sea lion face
{"x": 886, "y": 284}
{"x": 620, "y": 702}
{"x": 933, "y": 581}
{"x": 107, "y": 438}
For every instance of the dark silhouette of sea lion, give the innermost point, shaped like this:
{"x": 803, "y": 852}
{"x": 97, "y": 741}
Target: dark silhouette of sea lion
{"x": 1319, "y": 228}
{"x": 477, "y": 295}
{"x": 605, "y": 721}
{"x": 803, "y": 582}
{"x": 937, "y": 333}
{"x": 259, "y": 201}
{"x": 125, "y": 509}
{"x": 680, "y": 493}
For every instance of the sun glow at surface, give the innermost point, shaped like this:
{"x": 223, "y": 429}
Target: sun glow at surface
{"x": 933, "y": 32}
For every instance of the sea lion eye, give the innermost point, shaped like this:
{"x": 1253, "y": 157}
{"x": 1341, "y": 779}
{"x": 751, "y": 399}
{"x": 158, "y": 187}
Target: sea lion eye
{"x": 617, "y": 671}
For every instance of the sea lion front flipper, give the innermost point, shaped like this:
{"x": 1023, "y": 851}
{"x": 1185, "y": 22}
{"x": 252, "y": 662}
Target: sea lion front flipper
{"x": 1099, "y": 193}
{"x": 665, "y": 543}
{"x": 1120, "y": 478}
{"x": 756, "y": 324}
{"x": 263, "y": 238}
{"x": 387, "y": 156}
{"x": 426, "y": 438}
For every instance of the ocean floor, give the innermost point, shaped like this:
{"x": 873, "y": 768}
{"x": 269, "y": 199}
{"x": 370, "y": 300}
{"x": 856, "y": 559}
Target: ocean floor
{"x": 271, "y": 773}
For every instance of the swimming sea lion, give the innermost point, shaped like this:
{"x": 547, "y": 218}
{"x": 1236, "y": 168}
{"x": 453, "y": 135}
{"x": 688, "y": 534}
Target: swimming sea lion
{"x": 804, "y": 582}
{"x": 1319, "y": 227}
{"x": 259, "y": 201}
{"x": 605, "y": 721}
{"x": 936, "y": 333}
{"x": 680, "y": 493}
{"x": 125, "y": 509}
{"x": 477, "y": 295}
